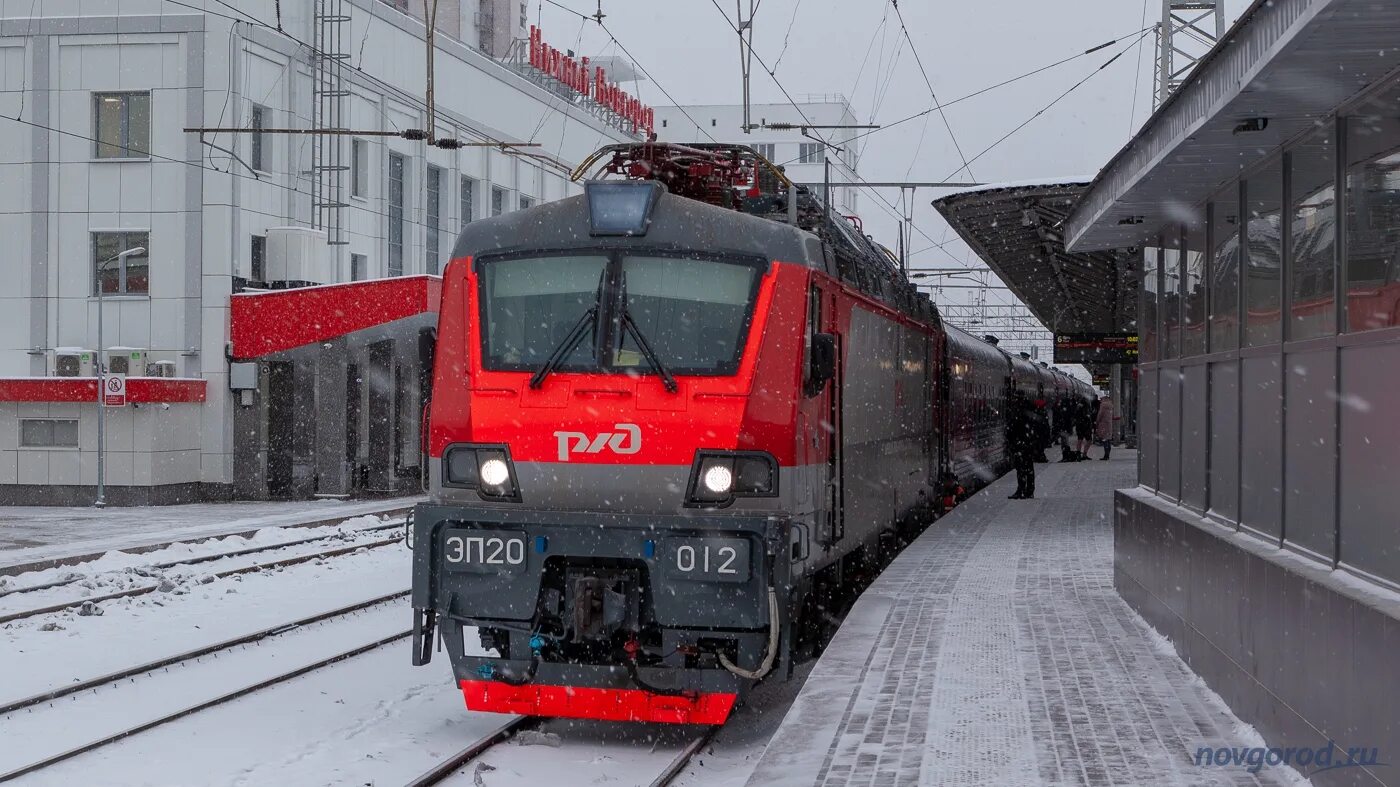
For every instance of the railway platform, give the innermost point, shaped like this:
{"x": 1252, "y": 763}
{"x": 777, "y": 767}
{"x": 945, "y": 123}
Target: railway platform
{"x": 39, "y": 537}
{"x": 995, "y": 650}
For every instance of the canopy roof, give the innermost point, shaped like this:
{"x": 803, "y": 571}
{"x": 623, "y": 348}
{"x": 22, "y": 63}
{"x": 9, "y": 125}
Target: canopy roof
{"x": 1018, "y": 230}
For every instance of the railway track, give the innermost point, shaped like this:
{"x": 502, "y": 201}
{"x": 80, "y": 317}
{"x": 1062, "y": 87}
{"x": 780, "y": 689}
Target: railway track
{"x": 197, "y": 559}
{"x": 109, "y": 737}
{"x": 151, "y": 588}
{"x": 450, "y": 766}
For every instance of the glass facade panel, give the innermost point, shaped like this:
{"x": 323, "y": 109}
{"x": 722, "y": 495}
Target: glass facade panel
{"x": 1224, "y": 290}
{"x": 1373, "y": 216}
{"x": 1193, "y": 294}
{"x": 1147, "y": 321}
{"x": 1264, "y": 263}
{"x": 1170, "y": 300}
{"x": 1312, "y": 267}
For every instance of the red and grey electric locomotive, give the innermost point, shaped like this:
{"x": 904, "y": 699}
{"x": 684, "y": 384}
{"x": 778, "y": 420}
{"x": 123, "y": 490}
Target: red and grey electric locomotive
{"x": 669, "y": 417}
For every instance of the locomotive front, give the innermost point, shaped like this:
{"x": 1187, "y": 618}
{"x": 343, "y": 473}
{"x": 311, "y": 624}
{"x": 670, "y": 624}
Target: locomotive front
{"x": 614, "y": 461}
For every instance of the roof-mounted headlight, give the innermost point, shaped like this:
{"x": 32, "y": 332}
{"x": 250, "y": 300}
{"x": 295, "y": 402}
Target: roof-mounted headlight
{"x": 621, "y": 207}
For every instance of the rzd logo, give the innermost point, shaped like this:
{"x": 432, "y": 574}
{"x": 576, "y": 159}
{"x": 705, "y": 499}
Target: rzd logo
{"x": 626, "y": 440}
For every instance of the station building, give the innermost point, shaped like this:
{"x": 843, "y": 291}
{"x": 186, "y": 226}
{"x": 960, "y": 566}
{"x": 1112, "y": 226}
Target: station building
{"x": 278, "y": 323}
{"x": 1263, "y": 202}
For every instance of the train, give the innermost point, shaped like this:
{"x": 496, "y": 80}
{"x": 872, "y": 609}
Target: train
{"x": 673, "y": 421}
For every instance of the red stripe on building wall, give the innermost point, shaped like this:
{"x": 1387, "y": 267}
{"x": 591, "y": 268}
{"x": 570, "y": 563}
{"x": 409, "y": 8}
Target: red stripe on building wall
{"x": 262, "y": 323}
{"x": 139, "y": 390}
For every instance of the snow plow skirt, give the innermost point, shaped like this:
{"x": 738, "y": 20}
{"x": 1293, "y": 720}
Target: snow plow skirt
{"x": 582, "y": 702}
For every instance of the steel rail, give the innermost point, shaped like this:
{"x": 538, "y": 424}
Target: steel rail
{"x": 450, "y": 765}
{"x": 143, "y": 590}
{"x": 204, "y": 705}
{"x": 683, "y": 759}
{"x": 127, "y": 672}
{"x": 189, "y": 561}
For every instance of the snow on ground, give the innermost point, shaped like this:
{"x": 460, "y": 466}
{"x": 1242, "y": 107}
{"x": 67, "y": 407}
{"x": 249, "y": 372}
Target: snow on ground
{"x": 731, "y": 755}
{"x": 36, "y": 533}
{"x": 119, "y": 561}
{"x": 136, "y": 630}
{"x": 579, "y": 752}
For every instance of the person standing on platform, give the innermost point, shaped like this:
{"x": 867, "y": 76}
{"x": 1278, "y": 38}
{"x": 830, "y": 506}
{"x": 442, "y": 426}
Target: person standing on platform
{"x": 1084, "y": 417}
{"x": 1026, "y": 444}
{"x": 1103, "y": 425}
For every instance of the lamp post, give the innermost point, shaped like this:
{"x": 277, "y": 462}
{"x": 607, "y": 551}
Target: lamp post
{"x": 101, "y": 501}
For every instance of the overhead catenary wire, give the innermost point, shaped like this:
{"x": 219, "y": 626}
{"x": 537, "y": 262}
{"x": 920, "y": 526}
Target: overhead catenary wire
{"x": 932, "y": 94}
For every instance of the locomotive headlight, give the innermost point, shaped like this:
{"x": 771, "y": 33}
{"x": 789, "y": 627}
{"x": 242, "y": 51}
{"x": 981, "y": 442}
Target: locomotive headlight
{"x": 485, "y": 468}
{"x": 494, "y": 472}
{"x": 718, "y": 477}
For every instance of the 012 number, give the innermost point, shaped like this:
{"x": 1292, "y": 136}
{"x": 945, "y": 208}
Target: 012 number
{"x": 689, "y": 559}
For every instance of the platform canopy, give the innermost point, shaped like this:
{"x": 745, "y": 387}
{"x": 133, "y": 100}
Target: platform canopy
{"x": 1018, "y": 230}
{"x": 1285, "y": 65}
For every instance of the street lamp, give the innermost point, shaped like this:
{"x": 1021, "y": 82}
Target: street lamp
{"x": 101, "y": 501}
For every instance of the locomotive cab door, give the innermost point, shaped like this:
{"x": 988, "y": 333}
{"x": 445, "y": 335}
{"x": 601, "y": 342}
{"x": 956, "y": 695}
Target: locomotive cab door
{"x": 826, "y": 407}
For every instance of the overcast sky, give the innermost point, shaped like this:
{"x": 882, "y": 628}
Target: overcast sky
{"x": 692, "y": 53}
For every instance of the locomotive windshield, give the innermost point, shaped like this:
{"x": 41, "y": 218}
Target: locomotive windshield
{"x": 691, "y": 314}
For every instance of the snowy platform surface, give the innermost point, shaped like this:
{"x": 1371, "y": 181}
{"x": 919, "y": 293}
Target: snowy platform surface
{"x": 994, "y": 650}
{"x": 41, "y": 536}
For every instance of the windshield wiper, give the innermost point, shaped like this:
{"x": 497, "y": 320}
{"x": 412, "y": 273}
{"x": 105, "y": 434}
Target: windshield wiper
{"x": 580, "y": 329}
{"x": 652, "y": 358}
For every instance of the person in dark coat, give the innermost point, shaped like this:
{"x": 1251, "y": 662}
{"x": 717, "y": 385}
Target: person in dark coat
{"x": 1086, "y": 414}
{"x": 1026, "y": 440}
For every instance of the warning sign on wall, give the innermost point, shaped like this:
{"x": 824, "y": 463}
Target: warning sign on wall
{"x": 113, "y": 390}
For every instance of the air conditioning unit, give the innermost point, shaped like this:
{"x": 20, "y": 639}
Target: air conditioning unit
{"x": 126, "y": 360}
{"x": 160, "y": 369}
{"x": 297, "y": 255}
{"x": 71, "y": 362}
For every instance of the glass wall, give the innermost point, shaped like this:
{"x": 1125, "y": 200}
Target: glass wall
{"x": 1147, "y": 342}
{"x": 1193, "y": 293}
{"x": 1373, "y": 216}
{"x": 1264, "y": 258}
{"x": 1313, "y": 310}
{"x": 1170, "y": 299}
{"x": 1225, "y": 270}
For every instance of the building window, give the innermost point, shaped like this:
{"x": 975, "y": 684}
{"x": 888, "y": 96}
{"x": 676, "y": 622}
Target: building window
{"x": 48, "y": 433}
{"x": 467, "y": 208}
{"x": 257, "y": 271}
{"x": 358, "y": 265}
{"x": 498, "y": 200}
{"x": 125, "y": 276}
{"x": 258, "y": 157}
{"x": 1193, "y": 295}
{"x": 434, "y": 218}
{"x": 1373, "y": 219}
{"x": 122, "y": 124}
{"x": 397, "y": 177}
{"x": 1264, "y": 260}
{"x": 1312, "y": 269}
{"x": 359, "y": 168}
{"x": 766, "y": 149}
{"x": 526, "y": 202}
{"x": 809, "y": 153}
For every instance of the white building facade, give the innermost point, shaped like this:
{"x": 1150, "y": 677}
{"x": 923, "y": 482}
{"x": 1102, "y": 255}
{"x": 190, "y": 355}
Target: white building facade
{"x": 95, "y": 98}
{"x": 802, "y": 155}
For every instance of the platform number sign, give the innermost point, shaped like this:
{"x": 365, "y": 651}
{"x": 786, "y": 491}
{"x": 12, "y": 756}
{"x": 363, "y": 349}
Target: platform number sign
{"x": 113, "y": 390}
